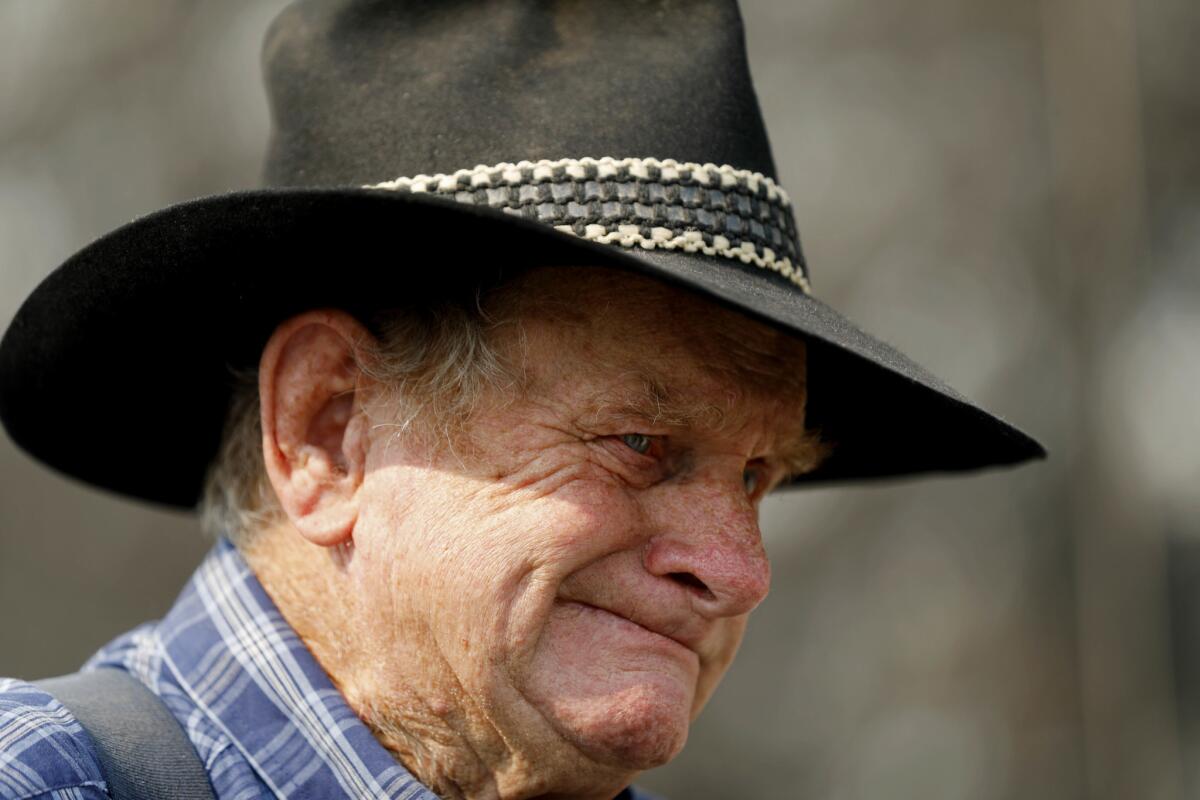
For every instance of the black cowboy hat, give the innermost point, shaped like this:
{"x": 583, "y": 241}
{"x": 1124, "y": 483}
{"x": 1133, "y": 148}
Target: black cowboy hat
{"x": 623, "y": 134}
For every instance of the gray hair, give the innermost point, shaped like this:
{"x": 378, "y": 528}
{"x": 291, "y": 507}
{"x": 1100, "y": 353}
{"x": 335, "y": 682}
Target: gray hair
{"x": 433, "y": 363}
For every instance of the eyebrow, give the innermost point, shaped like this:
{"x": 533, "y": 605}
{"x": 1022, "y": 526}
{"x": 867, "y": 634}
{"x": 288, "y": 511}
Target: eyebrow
{"x": 645, "y": 397}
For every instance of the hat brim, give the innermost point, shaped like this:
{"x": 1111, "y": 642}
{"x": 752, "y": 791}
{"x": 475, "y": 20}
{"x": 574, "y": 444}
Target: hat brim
{"x": 116, "y": 369}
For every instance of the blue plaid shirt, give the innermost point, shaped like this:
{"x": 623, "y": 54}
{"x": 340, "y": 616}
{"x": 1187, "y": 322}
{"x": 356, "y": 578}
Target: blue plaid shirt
{"x": 263, "y": 716}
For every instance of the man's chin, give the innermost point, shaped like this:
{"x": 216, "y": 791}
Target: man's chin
{"x": 633, "y": 728}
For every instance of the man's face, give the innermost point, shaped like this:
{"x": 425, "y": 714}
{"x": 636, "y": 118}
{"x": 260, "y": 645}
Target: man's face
{"x": 573, "y": 578}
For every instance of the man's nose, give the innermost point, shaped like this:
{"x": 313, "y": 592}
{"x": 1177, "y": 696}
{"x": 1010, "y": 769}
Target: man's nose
{"x": 708, "y": 541}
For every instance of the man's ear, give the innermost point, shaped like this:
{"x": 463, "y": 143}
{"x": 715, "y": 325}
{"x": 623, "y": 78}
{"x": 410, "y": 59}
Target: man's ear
{"x": 314, "y": 427}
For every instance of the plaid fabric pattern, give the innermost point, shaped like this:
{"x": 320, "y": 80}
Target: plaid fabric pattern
{"x": 44, "y": 753}
{"x": 263, "y": 716}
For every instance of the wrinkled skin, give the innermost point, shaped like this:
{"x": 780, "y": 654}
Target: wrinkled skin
{"x": 542, "y": 609}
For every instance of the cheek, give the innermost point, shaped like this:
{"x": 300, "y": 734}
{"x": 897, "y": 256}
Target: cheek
{"x": 560, "y": 534}
{"x": 477, "y": 564}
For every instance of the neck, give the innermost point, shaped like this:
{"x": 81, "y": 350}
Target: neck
{"x": 430, "y": 725}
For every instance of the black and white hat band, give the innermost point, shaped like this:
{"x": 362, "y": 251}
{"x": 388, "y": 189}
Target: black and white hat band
{"x": 642, "y": 202}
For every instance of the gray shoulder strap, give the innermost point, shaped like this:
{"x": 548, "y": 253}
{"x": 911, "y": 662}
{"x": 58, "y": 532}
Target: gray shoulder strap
{"x": 144, "y": 753}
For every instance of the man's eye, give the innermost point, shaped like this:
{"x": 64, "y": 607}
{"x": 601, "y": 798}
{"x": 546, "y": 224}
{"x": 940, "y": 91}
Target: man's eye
{"x": 637, "y": 442}
{"x": 750, "y": 478}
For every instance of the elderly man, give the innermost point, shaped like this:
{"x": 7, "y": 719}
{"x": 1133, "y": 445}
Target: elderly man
{"x": 483, "y": 446}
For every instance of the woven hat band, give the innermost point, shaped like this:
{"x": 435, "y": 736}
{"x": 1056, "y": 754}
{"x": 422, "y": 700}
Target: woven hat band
{"x": 638, "y": 202}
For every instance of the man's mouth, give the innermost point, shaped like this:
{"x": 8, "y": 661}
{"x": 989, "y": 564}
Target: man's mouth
{"x": 662, "y": 630}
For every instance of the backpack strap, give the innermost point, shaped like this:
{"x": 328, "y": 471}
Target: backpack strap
{"x": 144, "y": 753}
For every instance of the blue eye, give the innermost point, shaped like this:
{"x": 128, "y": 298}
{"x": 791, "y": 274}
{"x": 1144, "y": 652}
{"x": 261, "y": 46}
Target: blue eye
{"x": 637, "y": 442}
{"x": 750, "y": 478}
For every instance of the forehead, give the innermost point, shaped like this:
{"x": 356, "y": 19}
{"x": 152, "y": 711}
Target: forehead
{"x": 639, "y": 339}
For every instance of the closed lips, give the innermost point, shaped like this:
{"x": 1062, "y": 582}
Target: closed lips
{"x": 663, "y": 629}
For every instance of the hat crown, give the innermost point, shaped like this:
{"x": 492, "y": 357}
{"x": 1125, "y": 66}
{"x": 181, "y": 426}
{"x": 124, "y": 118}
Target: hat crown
{"x": 362, "y": 91}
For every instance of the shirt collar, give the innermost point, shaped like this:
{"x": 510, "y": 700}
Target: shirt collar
{"x": 233, "y": 653}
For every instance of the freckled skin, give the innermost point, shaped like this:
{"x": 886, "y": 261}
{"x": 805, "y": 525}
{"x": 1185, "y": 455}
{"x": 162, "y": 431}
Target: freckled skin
{"x": 544, "y": 612}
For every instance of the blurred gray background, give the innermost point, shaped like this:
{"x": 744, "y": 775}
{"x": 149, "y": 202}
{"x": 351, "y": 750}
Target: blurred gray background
{"x": 1008, "y": 191}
